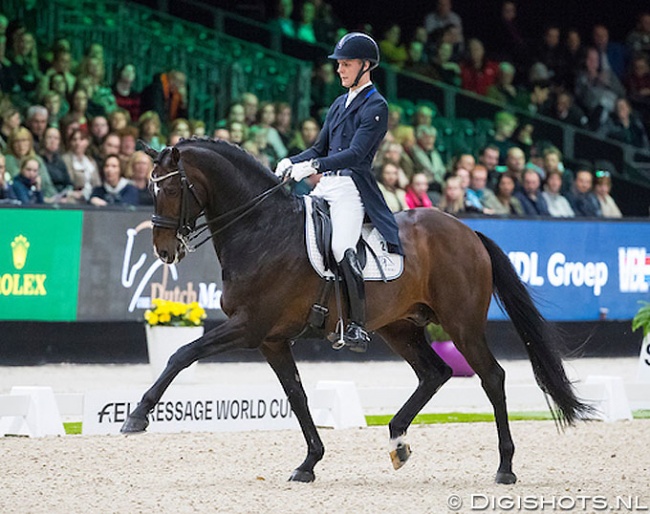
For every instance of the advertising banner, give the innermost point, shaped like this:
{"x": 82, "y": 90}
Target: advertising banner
{"x": 39, "y": 264}
{"x": 193, "y": 409}
{"x": 120, "y": 273}
{"x": 577, "y": 270}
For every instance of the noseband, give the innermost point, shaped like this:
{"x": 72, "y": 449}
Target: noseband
{"x": 187, "y": 231}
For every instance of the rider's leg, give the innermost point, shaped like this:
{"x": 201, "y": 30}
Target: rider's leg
{"x": 347, "y": 214}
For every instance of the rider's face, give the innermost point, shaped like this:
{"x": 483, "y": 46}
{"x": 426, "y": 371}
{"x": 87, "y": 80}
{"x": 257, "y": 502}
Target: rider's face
{"x": 348, "y": 70}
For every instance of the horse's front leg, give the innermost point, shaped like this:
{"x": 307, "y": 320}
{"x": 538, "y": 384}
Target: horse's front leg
{"x": 227, "y": 336}
{"x": 281, "y": 359}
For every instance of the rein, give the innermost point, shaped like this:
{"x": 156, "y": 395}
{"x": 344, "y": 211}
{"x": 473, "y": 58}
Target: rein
{"x": 186, "y": 229}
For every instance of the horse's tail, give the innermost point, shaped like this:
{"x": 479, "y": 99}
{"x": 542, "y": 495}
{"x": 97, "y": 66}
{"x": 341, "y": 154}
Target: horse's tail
{"x": 540, "y": 337}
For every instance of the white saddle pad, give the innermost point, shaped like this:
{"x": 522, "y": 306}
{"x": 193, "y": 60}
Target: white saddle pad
{"x": 391, "y": 263}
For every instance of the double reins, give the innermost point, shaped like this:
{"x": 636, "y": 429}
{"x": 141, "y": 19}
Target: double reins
{"x": 187, "y": 231}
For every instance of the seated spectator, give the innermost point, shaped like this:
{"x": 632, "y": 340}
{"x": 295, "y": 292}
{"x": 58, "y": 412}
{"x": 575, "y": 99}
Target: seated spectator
{"x": 264, "y": 152}
{"x": 283, "y": 23}
{"x": 78, "y": 109}
{"x": 305, "y": 26}
{"x": 283, "y": 122}
{"x": 505, "y": 125}
{"x": 612, "y": 55}
{"x": 565, "y": 110}
{"x": 423, "y": 115}
{"x": 238, "y": 133}
{"x": 197, "y": 128}
{"x": 453, "y": 196}
{"x": 395, "y": 113}
{"x": 441, "y": 17}
{"x": 574, "y": 57}
{"x": 638, "y": 85}
{"x": 625, "y": 126}
{"x": 558, "y": 205}
{"x": 27, "y": 184}
{"x": 10, "y": 121}
{"x": 550, "y": 53}
{"x": 416, "y": 193}
{"x": 478, "y": 194}
{"x": 602, "y": 189}
{"x": 115, "y": 189}
{"x": 56, "y": 168}
{"x": 36, "y": 122}
{"x": 125, "y": 95}
{"x": 535, "y": 99}
{"x": 25, "y": 68}
{"x": 443, "y": 68}
{"x": 581, "y": 197}
{"x": 149, "y": 128}
{"x": 110, "y": 146}
{"x": 523, "y": 138}
{"x": 81, "y": 168}
{"x": 489, "y": 157}
{"x": 392, "y": 50}
{"x": 426, "y": 158}
{"x": 7, "y": 194}
{"x": 52, "y": 103}
{"x": 325, "y": 88}
{"x": 167, "y": 95}
{"x": 139, "y": 169}
{"x": 20, "y": 147}
{"x": 388, "y": 183}
{"x": 59, "y": 86}
{"x": 552, "y": 163}
{"x": 477, "y": 73}
{"x": 128, "y": 138}
{"x": 471, "y": 203}
{"x": 266, "y": 118}
{"x": 638, "y": 40}
{"x": 505, "y": 203}
{"x": 100, "y": 96}
{"x": 416, "y": 63}
{"x": 405, "y": 136}
{"x": 515, "y": 165}
{"x": 393, "y": 153}
{"x": 466, "y": 161}
{"x": 98, "y": 131}
{"x": 503, "y": 91}
{"x": 251, "y": 105}
{"x": 597, "y": 89}
{"x": 236, "y": 113}
{"x": 305, "y": 137}
{"x": 61, "y": 64}
{"x": 118, "y": 120}
{"x": 179, "y": 127}
{"x": 223, "y": 134}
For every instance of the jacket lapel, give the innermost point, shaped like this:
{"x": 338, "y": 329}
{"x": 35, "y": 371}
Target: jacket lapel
{"x": 353, "y": 107}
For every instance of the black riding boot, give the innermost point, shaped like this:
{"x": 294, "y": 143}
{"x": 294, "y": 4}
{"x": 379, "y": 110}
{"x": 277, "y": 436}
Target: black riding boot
{"x": 356, "y": 338}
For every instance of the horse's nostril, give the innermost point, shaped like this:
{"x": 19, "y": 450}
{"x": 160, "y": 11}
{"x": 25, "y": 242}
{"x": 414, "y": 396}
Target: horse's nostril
{"x": 163, "y": 255}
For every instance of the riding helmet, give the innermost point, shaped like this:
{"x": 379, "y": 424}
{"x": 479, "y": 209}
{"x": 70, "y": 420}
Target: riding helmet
{"x": 356, "y": 45}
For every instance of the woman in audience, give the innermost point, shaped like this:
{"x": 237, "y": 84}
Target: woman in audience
{"x": 115, "y": 189}
{"x": 139, "y": 169}
{"x": 388, "y": 183}
{"x": 27, "y": 184}
{"x": 416, "y": 193}
{"x": 21, "y": 146}
{"x": 558, "y": 205}
{"x": 82, "y": 168}
{"x": 505, "y": 203}
{"x": 453, "y": 196}
{"x": 602, "y": 188}
{"x": 149, "y": 125}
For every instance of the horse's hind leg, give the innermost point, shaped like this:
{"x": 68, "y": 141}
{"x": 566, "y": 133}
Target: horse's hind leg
{"x": 492, "y": 377}
{"x": 280, "y": 358}
{"x": 409, "y": 342}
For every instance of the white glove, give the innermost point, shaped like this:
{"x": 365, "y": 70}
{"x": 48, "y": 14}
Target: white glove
{"x": 302, "y": 170}
{"x": 282, "y": 167}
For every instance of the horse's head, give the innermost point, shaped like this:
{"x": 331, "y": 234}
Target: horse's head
{"x": 176, "y": 204}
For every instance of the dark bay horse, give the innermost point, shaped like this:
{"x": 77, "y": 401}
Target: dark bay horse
{"x": 269, "y": 286}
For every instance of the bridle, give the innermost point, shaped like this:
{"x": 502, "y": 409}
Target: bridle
{"x": 187, "y": 231}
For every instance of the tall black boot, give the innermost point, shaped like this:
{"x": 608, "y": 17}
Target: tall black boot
{"x": 355, "y": 337}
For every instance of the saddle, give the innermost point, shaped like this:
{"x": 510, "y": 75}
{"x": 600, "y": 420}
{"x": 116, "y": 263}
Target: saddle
{"x": 376, "y": 262}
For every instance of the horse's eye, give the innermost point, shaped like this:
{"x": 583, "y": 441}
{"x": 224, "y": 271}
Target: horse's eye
{"x": 171, "y": 189}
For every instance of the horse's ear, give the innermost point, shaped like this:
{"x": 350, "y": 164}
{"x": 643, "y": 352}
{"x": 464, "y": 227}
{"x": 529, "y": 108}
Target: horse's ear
{"x": 176, "y": 156}
{"x": 147, "y": 149}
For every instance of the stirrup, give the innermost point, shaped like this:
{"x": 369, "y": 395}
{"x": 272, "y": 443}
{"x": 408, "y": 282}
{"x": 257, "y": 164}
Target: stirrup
{"x": 355, "y": 338}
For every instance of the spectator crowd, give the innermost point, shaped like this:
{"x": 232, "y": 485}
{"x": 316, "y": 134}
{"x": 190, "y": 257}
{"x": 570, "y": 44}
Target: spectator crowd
{"x": 67, "y": 136}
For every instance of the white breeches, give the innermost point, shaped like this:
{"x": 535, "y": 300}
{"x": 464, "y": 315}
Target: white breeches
{"x": 346, "y": 211}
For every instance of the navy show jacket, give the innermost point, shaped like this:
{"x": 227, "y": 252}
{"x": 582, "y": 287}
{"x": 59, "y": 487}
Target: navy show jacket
{"x": 347, "y": 143}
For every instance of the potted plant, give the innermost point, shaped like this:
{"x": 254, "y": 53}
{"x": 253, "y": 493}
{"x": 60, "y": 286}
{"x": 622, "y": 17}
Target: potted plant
{"x": 642, "y": 320}
{"x": 170, "y": 325}
{"x": 443, "y": 345}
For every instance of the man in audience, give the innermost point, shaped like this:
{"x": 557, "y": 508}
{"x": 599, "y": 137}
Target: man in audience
{"x": 530, "y": 196}
{"x": 427, "y": 159}
{"x": 582, "y": 198}
{"x": 36, "y": 122}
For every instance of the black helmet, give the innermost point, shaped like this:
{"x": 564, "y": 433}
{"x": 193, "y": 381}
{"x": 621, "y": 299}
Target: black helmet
{"x": 357, "y": 45}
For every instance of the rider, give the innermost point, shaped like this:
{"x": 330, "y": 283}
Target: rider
{"x": 343, "y": 152}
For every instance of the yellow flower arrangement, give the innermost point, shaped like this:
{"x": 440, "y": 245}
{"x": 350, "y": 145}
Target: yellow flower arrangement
{"x": 175, "y": 314}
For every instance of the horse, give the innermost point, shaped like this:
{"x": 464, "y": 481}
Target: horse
{"x": 257, "y": 229}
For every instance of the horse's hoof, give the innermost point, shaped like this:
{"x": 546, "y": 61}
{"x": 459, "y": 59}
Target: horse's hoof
{"x": 134, "y": 425}
{"x": 299, "y": 475}
{"x": 505, "y": 477}
{"x": 400, "y": 455}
